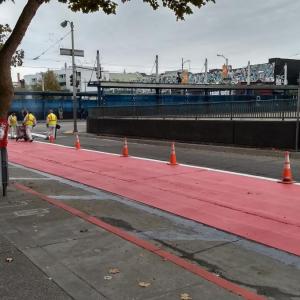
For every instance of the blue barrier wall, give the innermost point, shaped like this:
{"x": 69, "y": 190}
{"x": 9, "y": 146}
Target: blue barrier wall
{"x": 40, "y": 105}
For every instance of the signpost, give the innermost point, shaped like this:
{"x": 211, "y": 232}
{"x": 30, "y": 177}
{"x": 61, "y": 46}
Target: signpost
{"x": 68, "y": 52}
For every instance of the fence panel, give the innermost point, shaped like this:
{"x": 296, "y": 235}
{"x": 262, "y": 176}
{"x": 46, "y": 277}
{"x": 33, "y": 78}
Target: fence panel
{"x": 255, "y": 109}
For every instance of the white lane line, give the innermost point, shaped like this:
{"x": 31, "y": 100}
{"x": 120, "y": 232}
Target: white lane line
{"x": 185, "y": 165}
{"x": 28, "y": 178}
{"x": 39, "y": 135}
{"x": 69, "y": 197}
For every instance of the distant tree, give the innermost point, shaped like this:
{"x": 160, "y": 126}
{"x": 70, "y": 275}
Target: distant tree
{"x": 49, "y": 81}
{"x": 10, "y": 45}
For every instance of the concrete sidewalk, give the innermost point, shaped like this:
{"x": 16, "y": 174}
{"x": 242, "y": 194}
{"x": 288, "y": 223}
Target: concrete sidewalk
{"x": 59, "y": 256}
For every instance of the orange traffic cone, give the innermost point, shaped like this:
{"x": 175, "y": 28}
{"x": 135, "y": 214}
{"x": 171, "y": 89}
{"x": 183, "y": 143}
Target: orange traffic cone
{"x": 125, "y": 149}
{"x": 51, "y": 138}
{"x": 287, "y": 177}
{"x": 173, "y": 161}
{"x": 77, "y": 142}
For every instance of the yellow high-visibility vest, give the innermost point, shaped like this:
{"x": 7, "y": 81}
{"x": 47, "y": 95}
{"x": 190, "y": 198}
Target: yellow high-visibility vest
{"x": 29, "y": 120}
{"x": 51, "y": 119}
{"x": 12, "y": 120}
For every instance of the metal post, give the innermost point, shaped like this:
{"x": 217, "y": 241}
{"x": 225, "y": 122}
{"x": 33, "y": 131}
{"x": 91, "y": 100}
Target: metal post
{"x": 99, "y": 75}
{"x": 206, "y": 71}
{"x": 298, "y": 119}
{"x": 285, "y": 82}
{"x": 182, "y": 65}
{"x": 74, "y": 80}
{"x": 98, "y": 66}
{"x": 156, "y": 73}
{"x": 4, "y": 170}
{"x": 249, "y": 74}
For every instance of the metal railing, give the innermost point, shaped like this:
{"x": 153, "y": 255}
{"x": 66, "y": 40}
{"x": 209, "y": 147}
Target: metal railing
{"x": 257, "y": 109}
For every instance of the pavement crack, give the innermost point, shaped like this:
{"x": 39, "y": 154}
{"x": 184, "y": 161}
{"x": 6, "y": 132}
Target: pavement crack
{"x": 216, "y": 246}
{"x": 58, "y": 242}
{"x": 268, "y": 291}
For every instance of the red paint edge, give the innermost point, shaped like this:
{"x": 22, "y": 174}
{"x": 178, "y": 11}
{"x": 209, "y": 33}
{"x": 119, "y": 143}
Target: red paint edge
{"x": 195, "y": 269}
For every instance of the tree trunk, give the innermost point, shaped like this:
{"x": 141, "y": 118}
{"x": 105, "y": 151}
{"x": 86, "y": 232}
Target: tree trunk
{"x": 6, "y": 87}
{"x": 7, "y": 51}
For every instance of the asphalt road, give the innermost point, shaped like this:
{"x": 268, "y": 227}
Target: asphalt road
{"x": 260, "y": 162}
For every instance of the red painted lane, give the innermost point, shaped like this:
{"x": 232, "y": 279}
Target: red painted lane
{"x": 257, "y": 209}
{"x": 223, "y": 283}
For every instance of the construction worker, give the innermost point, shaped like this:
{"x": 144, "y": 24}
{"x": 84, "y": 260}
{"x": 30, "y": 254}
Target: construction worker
{"x": 12, "y": 123}
{"x": 51, "y": 124}
{"x": 29, "y": 122}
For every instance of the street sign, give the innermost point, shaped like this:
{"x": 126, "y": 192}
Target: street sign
{"x": 68, "y": 52}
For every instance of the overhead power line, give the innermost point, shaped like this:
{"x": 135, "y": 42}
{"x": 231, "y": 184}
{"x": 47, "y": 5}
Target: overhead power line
{"x": 50, "y": 47}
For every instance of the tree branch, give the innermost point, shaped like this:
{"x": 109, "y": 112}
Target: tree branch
{"x": 19, "y": 31}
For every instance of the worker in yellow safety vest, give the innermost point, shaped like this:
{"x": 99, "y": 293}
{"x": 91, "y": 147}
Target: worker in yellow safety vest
{"x": 29, "y": 122}
{"x": 51, "y": 124}
{"x": 12, "y": 123}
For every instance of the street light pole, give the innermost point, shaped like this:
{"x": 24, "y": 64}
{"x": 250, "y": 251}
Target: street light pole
{"x": 74, "y": 80}
{"x": 226, "y": 59}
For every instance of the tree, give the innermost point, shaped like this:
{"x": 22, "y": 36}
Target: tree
{"x": 49, "y": 81}
{"x": 10, "y": 45}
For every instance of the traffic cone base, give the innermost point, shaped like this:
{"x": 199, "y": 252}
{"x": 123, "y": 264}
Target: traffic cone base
{"x": 125, "y": 149}
{"x": 51, "y": 138}
{"x": 77, "y": 142}
{"x": 173, "y": 161}
{"x": 287, "y": 177}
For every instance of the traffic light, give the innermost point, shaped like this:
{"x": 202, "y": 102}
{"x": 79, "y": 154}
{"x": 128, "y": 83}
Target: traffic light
{"x": 77, "y": 83}
{"x": 71, "y": 80}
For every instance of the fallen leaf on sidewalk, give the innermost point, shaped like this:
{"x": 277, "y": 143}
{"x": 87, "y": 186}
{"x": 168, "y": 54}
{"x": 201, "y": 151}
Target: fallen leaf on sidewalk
{"x": 9, "y": 259}
{"x": 114, "y": 271}
{"x": 185, "y": 296}
{"x": 144, "y": 284}
{"x": 107, "y": 277}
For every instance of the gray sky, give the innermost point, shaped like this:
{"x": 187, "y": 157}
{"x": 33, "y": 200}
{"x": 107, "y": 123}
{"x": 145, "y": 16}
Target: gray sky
{"x": 242, "y": 30}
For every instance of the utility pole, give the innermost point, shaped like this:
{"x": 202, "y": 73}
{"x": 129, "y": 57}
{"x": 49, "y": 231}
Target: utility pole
{"x": 98, "y": 66}
{"x": 156, "y": 64}
{"x": 206, "y": 72}
{"x": 182, "y": 65}
{"x": 74, "y": 80}
{"x": 99, "y": 75}
{"x": 249, "y": 73}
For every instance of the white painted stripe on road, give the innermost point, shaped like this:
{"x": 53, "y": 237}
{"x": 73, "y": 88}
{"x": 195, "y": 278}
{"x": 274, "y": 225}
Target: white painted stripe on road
{"x": 185, "y": 165}
{"x": 29, "y": 178}
{"x": 39, "y": 135}
{"x": 69, "y": 197}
